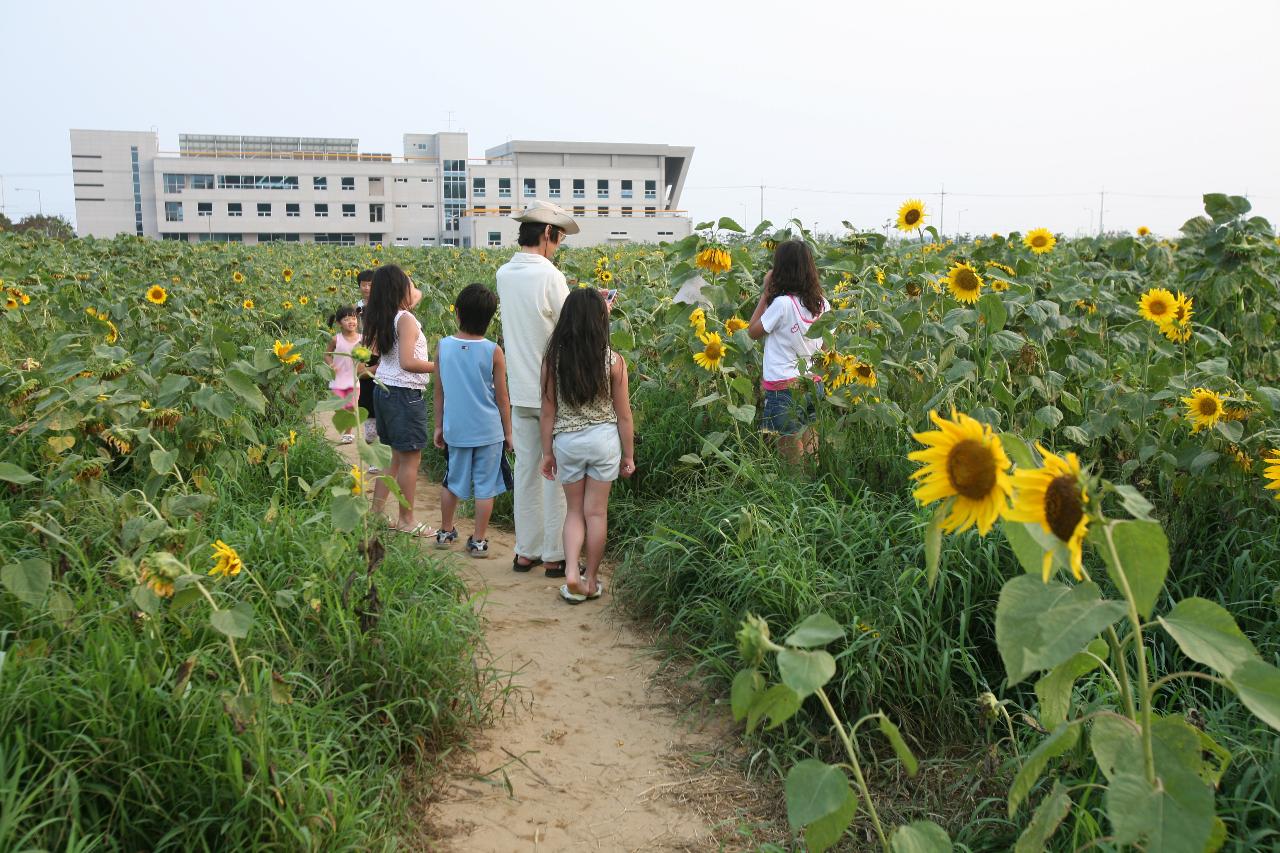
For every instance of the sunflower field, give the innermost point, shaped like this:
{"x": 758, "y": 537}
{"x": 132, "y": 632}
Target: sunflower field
{"x": 1028, "y": 584}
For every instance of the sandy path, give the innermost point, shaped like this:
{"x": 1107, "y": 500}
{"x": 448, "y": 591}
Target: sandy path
{"x": 589, "y": 731}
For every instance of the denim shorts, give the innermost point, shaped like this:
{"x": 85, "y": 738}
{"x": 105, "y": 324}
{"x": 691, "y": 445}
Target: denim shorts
{"x": 785, "y": 415}
{"x": 475, "y": 472}
{"x": 402, "y": 417}
{"x": 594, "y": 452}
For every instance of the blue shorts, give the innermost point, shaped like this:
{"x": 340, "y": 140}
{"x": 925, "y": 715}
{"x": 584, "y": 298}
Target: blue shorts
{"x": 402, "y": 417}
{"x": 786, "y": 415}
{"x": 475, "y": 472}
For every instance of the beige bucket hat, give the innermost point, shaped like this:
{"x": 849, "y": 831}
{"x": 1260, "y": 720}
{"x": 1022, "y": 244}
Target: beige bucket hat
{"x": 547, "y": 213}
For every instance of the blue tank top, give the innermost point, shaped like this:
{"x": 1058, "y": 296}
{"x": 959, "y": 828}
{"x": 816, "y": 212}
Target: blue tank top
{"x": 464, "y": 370}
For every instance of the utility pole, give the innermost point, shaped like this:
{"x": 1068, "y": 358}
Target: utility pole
{"x": 942, "y": 214}
{"x": 762, "y": 202}
{"x": 1102, "y": 203}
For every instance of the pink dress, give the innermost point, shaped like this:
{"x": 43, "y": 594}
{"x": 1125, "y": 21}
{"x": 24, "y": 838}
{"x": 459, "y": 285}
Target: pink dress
{"x": 344, "y": 369}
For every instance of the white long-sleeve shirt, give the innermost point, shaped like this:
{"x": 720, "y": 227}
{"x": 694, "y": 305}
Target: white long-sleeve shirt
{"x": 531, "y": 291}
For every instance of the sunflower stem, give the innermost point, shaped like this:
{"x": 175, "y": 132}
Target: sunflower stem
{"x": 857, "y": 767}
{"x": 1144, "y": 681}
{"x": 1122, "y": 673}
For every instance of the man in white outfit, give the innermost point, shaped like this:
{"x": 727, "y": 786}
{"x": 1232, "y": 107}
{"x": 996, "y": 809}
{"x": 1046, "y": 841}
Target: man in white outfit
{"x": 531, "y": 291}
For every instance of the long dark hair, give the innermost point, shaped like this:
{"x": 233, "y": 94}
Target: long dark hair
{"x": 390, "y": 290}
{"x": 577, "y": 352}
{"x": 795, "y": 272}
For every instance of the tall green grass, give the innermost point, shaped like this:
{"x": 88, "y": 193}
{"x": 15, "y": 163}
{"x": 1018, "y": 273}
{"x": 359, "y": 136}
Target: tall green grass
{"x": 108, "y": 743}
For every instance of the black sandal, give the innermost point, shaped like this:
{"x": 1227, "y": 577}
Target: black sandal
{"x": 555, "y": 570}
{"x": 517, "y": 566}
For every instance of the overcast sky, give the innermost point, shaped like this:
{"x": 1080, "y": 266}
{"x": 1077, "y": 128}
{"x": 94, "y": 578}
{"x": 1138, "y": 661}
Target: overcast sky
{"x": 1023, "y": 111}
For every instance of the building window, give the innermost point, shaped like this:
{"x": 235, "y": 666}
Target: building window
{"x": 651, "y": 211}
{"x": 602, "y": 211}
{"x": 455, "y": 187}
{"x": 455, "y": 165}
{"x": 202, "y": 182}
{"x": 401, "y": 181}
{"x": 320, "y": 184}
{"x": 477, "y": 187}
{"x": 349, "y": 184}
{"x": 336, "y": 239}
{"x": 204, "y": 208}
{"x": 405, "y": 206}
{"x": 504, "y": 210}
{"x": 453, "y": 214}
{"x": 426, "y": 206}
{"x": 174, "y": 183}
{"x": 375, "y": 239}
{"x": 235, "y": 209}
{"x": 495, "y": 238}
{"x": 427, "y": 181}
{"x": 293, "y": 210}
{"x": 375, "y": 213}
{"x": 626, "y": 189}
{"x": 553, "y": 187}
{"x": 173, "y": 211}
{"x": 450, "y": 241}
{"x": 579, "y": 210}
{"x": 428, "y": 240}
{"x": 257, "y": 182}
{"x": 504, "y": 188}
{"x": 602, "y": 188}
{"x": 322, "y": 210}
{"x": 264, "y": 208}
{"x": 626, "y": 211}
{"x": 480, "y": 211}
{"x": 530, "y": 187}
{"x": 348, "y": 211}
{"x": 579, "y": 188}
{"x": 651, "y": 190}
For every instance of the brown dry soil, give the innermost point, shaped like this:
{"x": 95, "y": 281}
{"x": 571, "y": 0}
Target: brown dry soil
{"x": 592, "y": 750}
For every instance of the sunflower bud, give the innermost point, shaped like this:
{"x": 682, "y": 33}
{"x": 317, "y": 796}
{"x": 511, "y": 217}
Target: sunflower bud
{"x": 753, "y": 640}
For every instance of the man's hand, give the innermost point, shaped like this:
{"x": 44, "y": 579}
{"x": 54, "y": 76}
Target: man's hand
{"x": 438, "y": 438}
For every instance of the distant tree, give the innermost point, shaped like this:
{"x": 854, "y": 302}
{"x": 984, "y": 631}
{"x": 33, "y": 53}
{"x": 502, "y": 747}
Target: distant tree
{"x": 6, "y": 224}
{"x": 57, "y": 227}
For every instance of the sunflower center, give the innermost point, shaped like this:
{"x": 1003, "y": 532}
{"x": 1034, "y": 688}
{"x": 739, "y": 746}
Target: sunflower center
{"x": 1208, "y": 406}
{"x": 1039, "y": 241}
{"x": 713, "y": 351}
{"x": 971, "y": 468}
{"x": 1062, "y": 507}
{"x": 912, "y": 216}
{"x": 864, "y": 370}
{"x": 1158, "y": 308}
{"x": 966, "y": 280}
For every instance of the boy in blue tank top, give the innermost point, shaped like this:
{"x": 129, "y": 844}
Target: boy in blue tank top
{"x": 473, "y": 417}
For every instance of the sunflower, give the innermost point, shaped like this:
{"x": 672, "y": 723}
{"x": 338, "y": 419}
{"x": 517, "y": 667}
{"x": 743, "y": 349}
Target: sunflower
{"x": 357, "y": 480}
{"x": 714, "y": 258}
{"x": 864, "y": 374}
{"x": 1054, "y": 497}
{"x": 284, "y": 352}
{"x": 965, "y": 462}
{"x": 911, "y": 215}
{"x": 733, "y": 324}
{"x": 1156, "y": 305}
{"x": 1204, "y": 408}
{"x": 1005, "y": 267}
{"x": 1087, "y": 306}
{"x": 10, "y": 302}
{"x": 226, "y": 562}
{"x": 964, "y": 282}
{"x": 1039, "y": 240}
{"x": 247, "y": 305}
{"x": 335, "y": 273}
{"x": 113, "y": 334}
{"x": 698, "y": 319}
{"x": 1271, "y": 471}
{"x": 1178, "y": 329}
{"x": 237, "y": 277}
{"x": 1143, "y": 230}
{"x": 712, "y": 352}
{"x": 156, "y": 295}
{"x": 604, "y": 275}
{"x": 287, "y": 274}
{"x": 879, "y": 276}
{"x": 287, "y": 305}
{"x": 303, "y": 300}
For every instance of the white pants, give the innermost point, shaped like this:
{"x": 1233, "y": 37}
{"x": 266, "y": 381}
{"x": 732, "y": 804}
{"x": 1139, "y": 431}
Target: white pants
{"x": 539, "y": 501}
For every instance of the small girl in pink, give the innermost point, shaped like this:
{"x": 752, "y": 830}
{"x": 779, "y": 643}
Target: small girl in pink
{"x": 338, "y": 356}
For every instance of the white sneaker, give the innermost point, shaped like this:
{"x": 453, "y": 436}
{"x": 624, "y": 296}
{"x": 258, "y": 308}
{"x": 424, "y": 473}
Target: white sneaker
{"x": 348, "y": 438}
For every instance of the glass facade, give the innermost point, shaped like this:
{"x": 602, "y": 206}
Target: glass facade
{"x": 137, "y": 190}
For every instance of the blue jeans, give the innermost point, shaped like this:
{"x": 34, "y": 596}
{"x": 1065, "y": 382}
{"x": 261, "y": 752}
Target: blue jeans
{"x": 784, "y": 414}
{"x": 402, "y": 417}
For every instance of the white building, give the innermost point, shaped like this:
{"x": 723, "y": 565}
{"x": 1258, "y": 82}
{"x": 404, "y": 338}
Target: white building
{"x": 322, "y": 190}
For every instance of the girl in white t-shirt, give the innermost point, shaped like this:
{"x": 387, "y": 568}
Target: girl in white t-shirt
{"x": 792, "y": 300}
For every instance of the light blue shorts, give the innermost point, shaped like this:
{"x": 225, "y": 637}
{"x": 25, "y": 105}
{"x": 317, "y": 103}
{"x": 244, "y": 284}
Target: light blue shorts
{"x": 594, "y": 452}
{"x": 475, "y": 471}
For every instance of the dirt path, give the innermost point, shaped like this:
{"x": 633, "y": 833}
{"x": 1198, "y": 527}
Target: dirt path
{"x": 586, "y": 744}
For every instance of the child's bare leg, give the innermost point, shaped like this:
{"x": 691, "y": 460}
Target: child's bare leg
{"x": 484, "y": 509}
{"x": 574, "y": 532}
{"x": 380, "y": 487}
{"x": 789, "y": 448}
{"x": 406, "y": 468}
{"x": 448, "y": 506}
{"x": 595, "y": 508}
